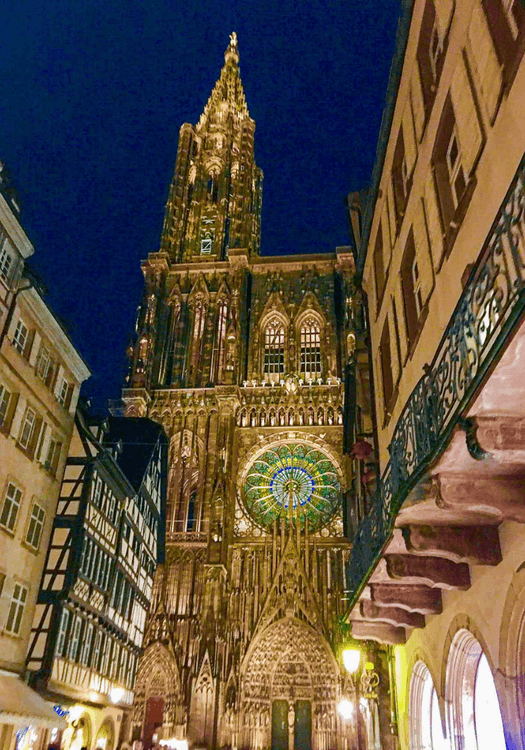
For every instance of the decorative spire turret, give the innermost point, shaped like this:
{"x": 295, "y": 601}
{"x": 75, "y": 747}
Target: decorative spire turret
{"x": 215, "y": 196}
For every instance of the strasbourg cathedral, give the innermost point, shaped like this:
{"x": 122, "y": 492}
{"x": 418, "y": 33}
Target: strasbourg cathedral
{"x": 241, "y": 358}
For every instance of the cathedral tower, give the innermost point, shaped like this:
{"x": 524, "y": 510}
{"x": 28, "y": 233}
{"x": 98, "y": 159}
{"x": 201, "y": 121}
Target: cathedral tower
{"x": 240, "y": 357}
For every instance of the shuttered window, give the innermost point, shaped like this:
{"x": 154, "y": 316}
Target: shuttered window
{"x": 506, "y": 20}
{"x": 430, "y": 54}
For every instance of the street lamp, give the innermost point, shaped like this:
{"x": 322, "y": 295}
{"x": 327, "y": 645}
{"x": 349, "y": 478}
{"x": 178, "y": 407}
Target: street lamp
{"x": 351, "y": 659}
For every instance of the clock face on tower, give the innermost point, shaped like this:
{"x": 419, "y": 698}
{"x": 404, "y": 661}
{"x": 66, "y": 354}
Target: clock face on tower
{"x": 295, "y": 474}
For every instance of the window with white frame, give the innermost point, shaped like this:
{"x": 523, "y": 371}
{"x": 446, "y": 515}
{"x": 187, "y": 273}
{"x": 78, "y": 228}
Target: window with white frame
{"x": 511, "y": 8}
{"x": 311, "y": 347}
{"x": 11, "y": 506}
{"x": 16, "y": 609}
{"x": 65, "y": 390}
{"x": 75, "y": 638}
{"x": 86, "y": 644}
{"x": 5, "y": 397}
{"x": 28, "y": 428}
{"x": 455, "y": 168}
{"x": 435, "y": 48}
{"x": 108, "y": 642}
{"x": 471, "y": 693}
{"x": 44, "y": 365}
{"x": 426, "y": 729}
{"x": 6, "y": 258}
{"x": 60, "y": 646}
{"x": 274, "y": 348}
{"x": 97, "y": 647}
{"x": 20, "y": 337}
{"x": 36, "y": 525}
{"x": 416, "y": 282}
{"x": 53, "y": 455}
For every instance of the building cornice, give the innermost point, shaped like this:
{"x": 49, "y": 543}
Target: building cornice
{"x": 48, "y": 323}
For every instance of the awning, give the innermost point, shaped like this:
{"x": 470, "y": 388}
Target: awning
{"x": 20, "y": 705}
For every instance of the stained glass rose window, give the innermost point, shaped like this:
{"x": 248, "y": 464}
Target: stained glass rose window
{"x": 296, "y": 474}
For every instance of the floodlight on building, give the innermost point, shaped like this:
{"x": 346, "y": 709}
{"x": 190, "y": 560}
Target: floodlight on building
{"x": 351, "y": 659}
{"x": 345, "y": 708}
{"x": 116, "y": 694}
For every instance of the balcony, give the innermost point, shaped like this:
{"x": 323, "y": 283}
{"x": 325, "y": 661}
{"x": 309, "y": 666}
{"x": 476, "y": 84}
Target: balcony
{"x": 487, "y": 315}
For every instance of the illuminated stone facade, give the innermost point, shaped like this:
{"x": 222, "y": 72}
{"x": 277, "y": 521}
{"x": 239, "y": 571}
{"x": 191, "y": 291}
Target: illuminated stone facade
{"x": 241, "y": 358}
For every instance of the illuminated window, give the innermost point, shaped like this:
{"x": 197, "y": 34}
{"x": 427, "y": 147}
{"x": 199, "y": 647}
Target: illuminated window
{"x": 11, "y": 506}
{"x": 426, "y": 729}
{"x": 471, "y": 692}
{"x": 36, "y": 525}
{"x": 311, "y": 347}
{"x": 16, "y": 609}
{"x": 274, "y": 348}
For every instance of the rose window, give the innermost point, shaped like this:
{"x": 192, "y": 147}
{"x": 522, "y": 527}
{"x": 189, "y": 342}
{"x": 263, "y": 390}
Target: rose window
{"x": 292, "y": 479}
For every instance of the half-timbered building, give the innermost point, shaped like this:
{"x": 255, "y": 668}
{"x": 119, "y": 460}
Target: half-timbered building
{"x": 97, "y": 582}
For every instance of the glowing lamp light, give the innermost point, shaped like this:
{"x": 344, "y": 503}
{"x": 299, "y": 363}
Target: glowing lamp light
{"x": 116, "y": 694}
{"x": 174, "y": 744}
{"x": 369, "y": 666}
{"x": 351, "y": 659}
{"x": 75, "y": 712}
{"x": 345, "y": 708}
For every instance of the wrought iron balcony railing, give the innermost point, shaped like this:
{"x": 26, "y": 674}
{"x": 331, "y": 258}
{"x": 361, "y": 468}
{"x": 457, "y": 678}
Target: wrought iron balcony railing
{"x": 488, "y": 311}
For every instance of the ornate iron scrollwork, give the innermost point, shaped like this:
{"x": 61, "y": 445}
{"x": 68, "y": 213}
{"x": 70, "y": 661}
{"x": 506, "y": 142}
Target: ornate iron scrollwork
{"x": 489, "y": 309}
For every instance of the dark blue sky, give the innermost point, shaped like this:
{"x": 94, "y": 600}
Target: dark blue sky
{"x": 92, "y": 95}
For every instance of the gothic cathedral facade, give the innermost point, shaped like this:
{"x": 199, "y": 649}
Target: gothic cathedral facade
{"x": 241, "y": 358}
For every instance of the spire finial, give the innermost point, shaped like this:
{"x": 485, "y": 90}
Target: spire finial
{"x": 232, "y": 53}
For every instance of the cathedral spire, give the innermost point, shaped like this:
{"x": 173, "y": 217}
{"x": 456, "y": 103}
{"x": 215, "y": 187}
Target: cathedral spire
{"x": 215, "y": 197}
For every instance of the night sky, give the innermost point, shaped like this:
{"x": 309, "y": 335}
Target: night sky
{"x": 92, "y": 96}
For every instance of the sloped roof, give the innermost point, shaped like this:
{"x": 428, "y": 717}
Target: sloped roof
{"x": 139, "y": 437}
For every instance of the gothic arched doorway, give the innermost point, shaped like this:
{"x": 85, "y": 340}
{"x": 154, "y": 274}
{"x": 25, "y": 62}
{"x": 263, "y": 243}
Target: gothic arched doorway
{"x": 290, "y": 688}
{"x": 157, "y": 704}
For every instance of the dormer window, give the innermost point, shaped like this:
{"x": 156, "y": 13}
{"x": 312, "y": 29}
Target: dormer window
{"x": 311, "y": 347}
{"x": 274, "y": 348}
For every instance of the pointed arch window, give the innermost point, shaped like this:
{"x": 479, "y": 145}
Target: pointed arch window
{"x": 310, "y": 351}
{"x": 274, "y": 347}
{"x": 222, "y": 318}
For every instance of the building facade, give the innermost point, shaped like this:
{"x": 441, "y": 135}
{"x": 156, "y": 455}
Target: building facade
{"x": 96, "y": 588}
{"x": 40, "y": 377}
{"x": 241, "y": 358}
{"x": 437, "y": 561}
